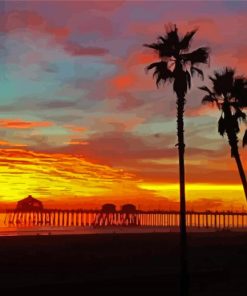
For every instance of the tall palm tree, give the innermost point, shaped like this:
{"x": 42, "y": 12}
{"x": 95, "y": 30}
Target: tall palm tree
{"x": 229, "y": 94}
{"x": 177, "y": 65}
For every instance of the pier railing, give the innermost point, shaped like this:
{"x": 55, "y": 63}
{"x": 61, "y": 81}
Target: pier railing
{"x": 97, "y": 218}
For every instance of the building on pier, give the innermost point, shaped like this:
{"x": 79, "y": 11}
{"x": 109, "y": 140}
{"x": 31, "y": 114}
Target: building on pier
{"x": 128, "y": 208}
{"x": 108, "y": 208}
{"x": 129, "y": 215}
{"x": 29, "y": 204}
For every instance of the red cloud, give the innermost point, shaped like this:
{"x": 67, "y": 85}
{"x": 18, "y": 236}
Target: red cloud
{"x": 124, "y": 81}
{"x": 20, "y": 124}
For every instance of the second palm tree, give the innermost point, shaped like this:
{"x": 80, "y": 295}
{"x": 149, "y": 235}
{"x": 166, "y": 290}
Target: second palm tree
{"x": 229, "y": 93}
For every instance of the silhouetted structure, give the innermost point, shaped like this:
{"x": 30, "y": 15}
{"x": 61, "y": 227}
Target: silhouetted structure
{"x": 129, "y": 215}
{"x": 107, "y": 216}
{"x": 29, "y": 204}
{"x": 128, "y": 208}
{"x": 108, "y": 208}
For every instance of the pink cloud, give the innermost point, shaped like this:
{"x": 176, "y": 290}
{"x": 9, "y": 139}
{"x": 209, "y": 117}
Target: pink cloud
{"x": 127, "y": 101}
{"x": 91, "y": 23}
{"x": 201, "y": 110}
{"x": 16, "y": 20}
{"x": 31, "y": 20}
{"x": 75, "y": 6}
{"x": 77, "y": 50}
{"x": 235, "y": 58}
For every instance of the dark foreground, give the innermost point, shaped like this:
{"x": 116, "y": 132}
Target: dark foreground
{"x": 130, "y": 263}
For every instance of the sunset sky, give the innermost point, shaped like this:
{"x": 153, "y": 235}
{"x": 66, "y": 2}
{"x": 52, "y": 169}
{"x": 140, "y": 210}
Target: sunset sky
{"x": 82, "y": 123}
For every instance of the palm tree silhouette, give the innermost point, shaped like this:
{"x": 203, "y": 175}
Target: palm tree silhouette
{"x": 229, "y": 93}
{"x": 177, "y": 65}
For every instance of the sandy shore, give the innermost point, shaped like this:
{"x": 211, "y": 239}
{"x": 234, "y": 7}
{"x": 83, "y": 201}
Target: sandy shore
{"x": 140, "y": 262}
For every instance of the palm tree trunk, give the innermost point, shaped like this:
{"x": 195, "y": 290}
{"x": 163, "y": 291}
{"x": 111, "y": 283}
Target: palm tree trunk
{"x": 184, "y": 284}
{"x": 241, "y": 172}
{"x": 233, "y": 141}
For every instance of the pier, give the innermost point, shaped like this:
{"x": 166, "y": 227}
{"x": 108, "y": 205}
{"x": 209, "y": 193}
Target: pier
{"x": 137, "y": 218}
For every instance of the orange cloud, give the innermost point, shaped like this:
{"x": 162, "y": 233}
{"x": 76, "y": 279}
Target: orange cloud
{"x": 77, "y": 142}
{"x": 21, "y": 124}
{"x": 124, "y": 81}
{"x": 10, "y": 144}
{"x": 133, "y": 78}
{"x": 141, "y": 58}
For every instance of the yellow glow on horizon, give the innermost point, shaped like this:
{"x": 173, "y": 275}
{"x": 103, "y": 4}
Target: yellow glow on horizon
{"x": 226, "y": 193}
{"x": 192, "y": 187}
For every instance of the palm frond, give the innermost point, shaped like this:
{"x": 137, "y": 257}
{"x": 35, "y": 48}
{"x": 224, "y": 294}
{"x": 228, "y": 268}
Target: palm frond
{"x": 239, "y": 91}
{"x": 208, "y": 99}
{"x": 223, "y": 81}
{"x": 205, "y": 88}
{"x": 153, "y": 65}
{"x": 185, "y": 42}
{"x": 167, "y": 45}
{"x": 227, "y": 71}
{"x": 155, "y": 46}
{"x": 158, "y": 78}
{"x": 245, "y": 139}
{"x": 235, "y": 124}
{"x": 212, "y": 78}
{"x": 194, "y": 70}
{"x": 240, "y": 82}
{"x": 172, "y": 35}
{"x": 170, "y": 45}
{"x": 162, "y": 39}
{"x": 163, "y": 49}
{"x": 239, "y": 114}
{"x": 188, "y": 78}
{"x": 221, "y": 126}
{"x": 161, "y": 72}
{"x": 197, "y": 56}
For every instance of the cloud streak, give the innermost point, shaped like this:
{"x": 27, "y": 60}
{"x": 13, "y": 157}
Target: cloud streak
{"x": 21, "y": 124}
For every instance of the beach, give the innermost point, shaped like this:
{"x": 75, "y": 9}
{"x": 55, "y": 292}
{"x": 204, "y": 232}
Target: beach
{"x": 124, "y": 261}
